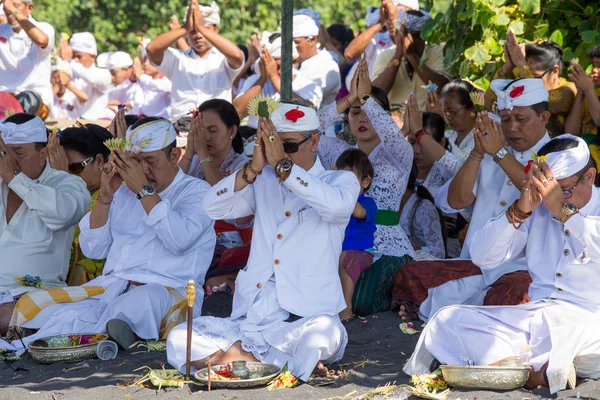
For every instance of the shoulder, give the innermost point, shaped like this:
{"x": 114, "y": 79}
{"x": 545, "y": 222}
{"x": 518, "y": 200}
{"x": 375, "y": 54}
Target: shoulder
{"x": 45, "y": 27}
{"x": 191, "y": 184}
{"x": 58, "y": 178}
{"x": 338, "y": 177}
{"x": 367, "y": 201}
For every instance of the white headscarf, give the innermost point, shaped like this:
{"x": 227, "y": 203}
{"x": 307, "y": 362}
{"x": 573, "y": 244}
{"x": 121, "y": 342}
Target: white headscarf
{"x": 84, "y": 42}
{"x": 311, "y": 13}
{"x": 151, "y": 136}
{"x": 413, "y": 22}
{"x": 294, "y": 118}
{"x": 209, "y": 13}
{"x": 118, "y": 60}
{"x": 32, "y": 131}
{"x": 304, "y": 26}
{"x": 566, "y": 163}
{"x": 275, "y": 46}
{"x": 521, "y": 93}
{"x": 411, "y": 4}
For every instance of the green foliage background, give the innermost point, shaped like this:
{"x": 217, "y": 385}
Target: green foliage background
{"x": 474, "y": 30}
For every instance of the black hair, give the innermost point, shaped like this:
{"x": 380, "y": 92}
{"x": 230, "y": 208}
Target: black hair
{"x": 274, "y": 36}
{"x": 230, "y": 118}
{"x": 358, "y": 162}
{"x": 595, "y": 52}
{"x": 247, "y": 132}
{"x": 546, "y": 54}
{"x": 557, "y": 144}
{"x": 22, "y": 118}
{"x": 462, "y": 90}
{"x": 435, "y": 125}
{"x": 381, "y": 97}
{"x": 244, "y": 50}
{"x": 425, "y": 195}
{"x": 131, "y": 119}
{"x": 88, "y": 140}
{"x": 540, "y": 107}
{"x": 341, "y": 33}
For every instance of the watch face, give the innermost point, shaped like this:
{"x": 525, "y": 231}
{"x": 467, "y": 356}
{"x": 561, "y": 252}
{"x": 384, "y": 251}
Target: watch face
{"x": 571, "y": 207}
{"x": 149, "y": 189}
{"x": 286, "y": 164}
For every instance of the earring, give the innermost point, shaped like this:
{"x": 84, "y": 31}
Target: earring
{"x": 473, "y": 114}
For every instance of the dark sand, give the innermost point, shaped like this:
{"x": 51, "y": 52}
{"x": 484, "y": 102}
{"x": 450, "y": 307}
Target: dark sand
{"x": 378, "y": 341}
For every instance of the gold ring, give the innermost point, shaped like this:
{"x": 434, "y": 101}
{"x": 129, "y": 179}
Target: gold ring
{"x": 550, "y": 178}
{"x": 272, "y": 138}
{"x": 256, "y": 144}
{"x": 431, "y": 104}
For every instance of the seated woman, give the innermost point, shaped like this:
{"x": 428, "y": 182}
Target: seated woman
{"x": 584, "y": 118}
{"x": 215, "y": 149}
{"x": 81, "y": 151}
{"x": 538, "y": 60}
{"x": 378, "y": 136}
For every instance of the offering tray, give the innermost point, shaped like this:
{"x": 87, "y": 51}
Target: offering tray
{"x": 485, "y": 377}
{"x": 67, "y": 348}
{"x": 260, "y": 374}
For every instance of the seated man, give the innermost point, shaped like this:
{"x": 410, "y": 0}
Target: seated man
{"x": 39, "y": 209}
{"x": 486, "y": 184}
{"x": 287, "y": 299}
{"x": 154, "y": 235}
{"x": 554, "y": 225}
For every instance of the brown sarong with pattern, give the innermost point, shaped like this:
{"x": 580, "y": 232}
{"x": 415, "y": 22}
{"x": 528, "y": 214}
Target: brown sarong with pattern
{"x": 413, "y": 281}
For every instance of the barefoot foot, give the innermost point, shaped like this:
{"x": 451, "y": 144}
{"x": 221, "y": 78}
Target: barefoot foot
{"x": 320, "y": 370}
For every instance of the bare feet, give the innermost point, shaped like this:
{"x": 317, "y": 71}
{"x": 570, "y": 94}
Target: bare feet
{"x": 320, "y": 370}
{"x": 6, "y": 311}
{"x": 404, "y": 315}
{"x": 346, "y": 315}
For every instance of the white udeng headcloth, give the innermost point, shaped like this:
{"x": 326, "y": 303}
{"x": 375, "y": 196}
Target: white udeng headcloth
{"x": 521, "y": 93}
{"x": 209, "y": 13}
{"x": 566, "y": 163}
{"x": 151, "y": 136}
{"x": 304, "y": 26}
{"x": 32, "y": 131}
{"x": 294, "y": 118}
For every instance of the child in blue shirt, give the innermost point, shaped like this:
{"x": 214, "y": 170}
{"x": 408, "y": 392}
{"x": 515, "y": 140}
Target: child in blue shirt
{"x": 357, "y": 249}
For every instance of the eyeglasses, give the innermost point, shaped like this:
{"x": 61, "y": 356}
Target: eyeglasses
{"x": 77, "y": 168}
{"x": 542, "y": 75}
{"x": 293, "y": 147}
{"x": 452, "y": 114}
{"x": 569, "y": 193}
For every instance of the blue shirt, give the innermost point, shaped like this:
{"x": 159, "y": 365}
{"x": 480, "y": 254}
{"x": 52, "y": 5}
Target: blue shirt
{"x": 360, "y": 233}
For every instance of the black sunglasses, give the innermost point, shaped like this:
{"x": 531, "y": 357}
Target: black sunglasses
{"x": 77, "y": 168}
{"x": 293, "y": 147}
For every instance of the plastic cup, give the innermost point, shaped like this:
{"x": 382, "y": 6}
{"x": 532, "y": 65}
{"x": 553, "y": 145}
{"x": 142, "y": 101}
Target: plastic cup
{"x": 107, "y": 350}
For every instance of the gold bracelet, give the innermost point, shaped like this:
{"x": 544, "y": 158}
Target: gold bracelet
{"x": 475, "y": 158}
{"x": 99, "y": 200}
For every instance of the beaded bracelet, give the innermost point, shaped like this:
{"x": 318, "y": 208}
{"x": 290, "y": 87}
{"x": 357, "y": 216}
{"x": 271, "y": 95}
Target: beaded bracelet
{"x": 245, "y": 175}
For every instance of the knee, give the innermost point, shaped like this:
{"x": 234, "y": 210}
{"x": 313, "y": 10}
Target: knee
{"x": 325, "y": 327}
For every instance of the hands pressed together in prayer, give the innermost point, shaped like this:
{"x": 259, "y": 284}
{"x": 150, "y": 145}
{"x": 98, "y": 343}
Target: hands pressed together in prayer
{"x": 514, "y": 54}
{"x": 489, "y": 138}
{"x": 413, "y": 118}
{"x": 8, "y": 165}
{"x": 118, "y": 126}
{"x": 541, "y": 186}
{"x": 268, "y": 148}
{"x": 197, "y": 140}
{"x": 194, "y": 19}
{"x": 56, "y": 154}
{"x": 582, "y": 81}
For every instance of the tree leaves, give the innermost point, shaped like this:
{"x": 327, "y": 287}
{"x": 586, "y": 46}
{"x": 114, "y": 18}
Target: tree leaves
{"x": 556, "y": 37}
{"x": 530, "y": 6}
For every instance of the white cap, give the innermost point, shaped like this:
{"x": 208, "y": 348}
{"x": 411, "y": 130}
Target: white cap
{"x": 63, "y": 66}
{"x": 410, "y": 4}
{"x": 304, "y": 26}
{"x": 102, "y": 59}
{"x": 275, "y": 46}
{"x": 566, "y": 163}
{"x": 119, "y": 60}
{"x": 294, "y": 118}
{"x": 32, "y": 131}
{"x": 151, "y": 136}
{"x": 519, "y": 93}
{"x": 84, "y": 42}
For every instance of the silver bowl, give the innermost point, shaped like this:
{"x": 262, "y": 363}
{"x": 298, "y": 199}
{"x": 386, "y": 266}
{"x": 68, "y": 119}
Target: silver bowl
{"x": 45, "y": 352}
{"x": 485, "y": 377}
{"x": 265, "y": 373}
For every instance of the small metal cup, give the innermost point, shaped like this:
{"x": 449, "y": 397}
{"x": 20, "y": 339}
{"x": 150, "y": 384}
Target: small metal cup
{"x": 239, "y": 370}
{"x": 107, "y": 350}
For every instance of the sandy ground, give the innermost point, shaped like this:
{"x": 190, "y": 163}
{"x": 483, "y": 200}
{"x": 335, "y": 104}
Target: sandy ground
{"x": 375, "y": 355}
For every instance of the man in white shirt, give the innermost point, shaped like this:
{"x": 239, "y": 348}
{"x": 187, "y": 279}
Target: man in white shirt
{"x": 39, "y": 208}
{"x": 125, "y": 91}
{"x": 25, "y": 50}
{"x": 205, "y": 71}
{"x": 90, "y": 84}
{"x": 287, "y": 299}
{"x": 314, "y": 65}
{"x": 486, "y": 184}
{"x": 154, "y": 235}
{"x": 554, "y": 226}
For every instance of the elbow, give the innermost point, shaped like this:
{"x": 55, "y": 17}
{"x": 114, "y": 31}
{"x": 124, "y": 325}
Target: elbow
{"x": 349, "y": 54}
{"x": 459, "y": 201}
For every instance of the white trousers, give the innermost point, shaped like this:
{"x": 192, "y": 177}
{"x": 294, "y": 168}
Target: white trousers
{"x": 470, "y": 290}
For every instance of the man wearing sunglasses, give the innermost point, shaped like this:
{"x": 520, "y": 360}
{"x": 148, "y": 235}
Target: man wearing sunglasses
{"x": 555, "y": 224}
{"x": 39, "y": 207}
{"x": 287, "y": 299}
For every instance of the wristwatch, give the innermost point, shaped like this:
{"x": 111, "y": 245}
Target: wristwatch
{"x": 147, "y": 190}
{"x": 500, "y": 155}
{"x": 364, "y": 98}
{"x": 283, "y": 169}
{"x": 567, "y": 212}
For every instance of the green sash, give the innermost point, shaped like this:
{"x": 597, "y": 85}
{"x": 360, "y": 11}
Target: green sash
{"x": 387, "y": 217}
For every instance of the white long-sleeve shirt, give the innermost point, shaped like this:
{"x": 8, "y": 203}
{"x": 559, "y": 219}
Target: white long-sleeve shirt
{"x": 494, "y": 193}
{"x": 127, "y": 92}
{"x": 325, "y": 73}
{"x": 37, "y": 240}
{"x": 156, "y": 97}
{"x": 169, "y": 246}
{"x": 95, "y": 82}
{"x": 298, "y": 231}
{"x": 563, "y": 259}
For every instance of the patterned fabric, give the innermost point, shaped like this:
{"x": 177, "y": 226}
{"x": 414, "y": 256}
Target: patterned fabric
{"x": 421, "y": 221}
{"x": 230, "y": 164}
{"x": 392, "y": 160}
{"x": 355, "y": 262}
{"x": 373, "y": 292}
{"x": 510, "y": 290}
{"x": 560, "y": 100}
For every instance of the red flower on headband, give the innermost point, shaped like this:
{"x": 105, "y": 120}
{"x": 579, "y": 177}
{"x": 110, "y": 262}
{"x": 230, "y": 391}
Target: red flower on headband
{"x": 2, "y": 39}
{"x": 528, "y": 166}
{"x": 294, "y": 115}
{"x": 517, "y": 91}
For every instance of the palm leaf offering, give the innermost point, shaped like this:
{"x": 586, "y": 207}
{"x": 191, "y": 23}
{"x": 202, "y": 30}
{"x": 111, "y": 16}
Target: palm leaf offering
{"x": 262, "y": 106}
{"x": 116, "y": 143}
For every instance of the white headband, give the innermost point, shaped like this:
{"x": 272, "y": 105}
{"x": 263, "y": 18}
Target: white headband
{"x": 294, "y": 118}
{"x": 412, "y": 4}
{"x": 84, "y": 42}
{"x": 566, "y": 163}
{"x": 119, "y": 60}
{"x": 304, "y": 26}
{"x": 151, "y": 136}
{"x": 209, "y": 13}
{"x": 521, "y": 93}
{"x": 32, "y": 131}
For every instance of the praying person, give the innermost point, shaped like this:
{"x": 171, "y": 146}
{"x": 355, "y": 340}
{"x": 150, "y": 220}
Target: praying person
{"x": 205, "y": 71}
{"x": 26, "y": 47}
{"x": 39, "y": 210}
{"x": 62, "y": 107}
{"x": 155, "y": 236}
{"x": 357, "y": 248}
{"x": 156, "y": 88}
{"x": 487, "y": 183}
{"x": 125, "y": 92}
{"x": 553, "y": 227}
{"x": 287, "y": 299}
{"x": 90, "y": 84}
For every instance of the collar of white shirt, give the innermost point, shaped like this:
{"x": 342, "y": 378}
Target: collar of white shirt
{"x": 192, "y": 54}
{"x": 524, "y": 156}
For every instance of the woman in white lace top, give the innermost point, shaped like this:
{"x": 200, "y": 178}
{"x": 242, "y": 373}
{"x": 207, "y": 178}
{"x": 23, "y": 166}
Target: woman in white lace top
{"x": 392, "y": 156}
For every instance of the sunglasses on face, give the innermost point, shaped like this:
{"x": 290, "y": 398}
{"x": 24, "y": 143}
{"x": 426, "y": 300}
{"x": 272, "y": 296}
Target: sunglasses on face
{"x": 77, "y": 168}
{"x": 293, "y": 147}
